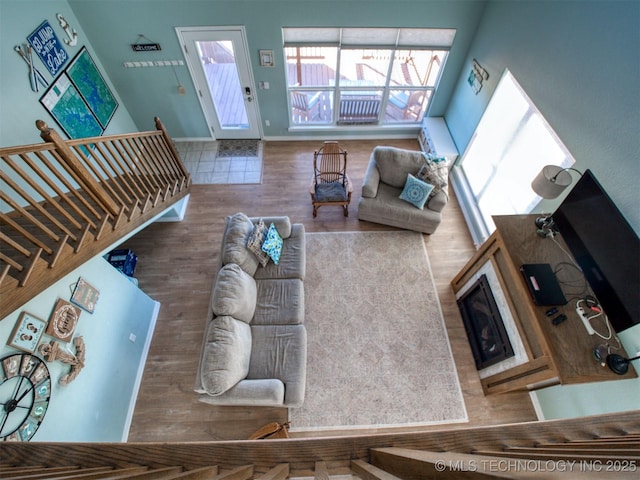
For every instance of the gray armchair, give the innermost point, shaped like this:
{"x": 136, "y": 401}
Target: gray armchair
{"x": 383, "y": 184}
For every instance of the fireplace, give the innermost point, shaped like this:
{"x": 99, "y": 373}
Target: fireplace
{"x": 482, "y": 321}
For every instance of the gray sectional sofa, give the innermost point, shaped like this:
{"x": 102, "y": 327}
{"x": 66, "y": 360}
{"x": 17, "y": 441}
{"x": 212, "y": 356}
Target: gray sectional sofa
{"x": 254, "y": 349}
{"x": 383, "y": 184}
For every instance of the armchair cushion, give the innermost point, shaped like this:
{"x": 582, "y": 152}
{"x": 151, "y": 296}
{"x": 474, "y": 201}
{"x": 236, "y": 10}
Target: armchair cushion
{"x": 226, "y": 355}
{"x": 416, "y": 191}
{"x": 395, "y": 163}
{"x": 234, "y": 293}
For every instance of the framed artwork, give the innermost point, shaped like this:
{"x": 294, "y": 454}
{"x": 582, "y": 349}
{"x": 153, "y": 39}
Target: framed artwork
{"x": 88, "y": 80}
{"x": 266, "y": 58}
{"x": 27, "y": 333}
{"x": 85, "y": 295}
{"x": 63, "y": 320}
{"x": 46, "y": 44}
{"x": 64, "y": 103}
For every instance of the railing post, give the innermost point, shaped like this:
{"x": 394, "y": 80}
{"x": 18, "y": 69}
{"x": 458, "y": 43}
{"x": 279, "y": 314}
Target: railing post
{"x": 167, "y": 138}
{"x": 50, "y": 135}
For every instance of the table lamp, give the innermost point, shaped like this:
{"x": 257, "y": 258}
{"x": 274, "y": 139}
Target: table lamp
{"x": 552, "y": 180}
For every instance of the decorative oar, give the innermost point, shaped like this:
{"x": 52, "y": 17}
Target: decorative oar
{"x": 34, "y": 74}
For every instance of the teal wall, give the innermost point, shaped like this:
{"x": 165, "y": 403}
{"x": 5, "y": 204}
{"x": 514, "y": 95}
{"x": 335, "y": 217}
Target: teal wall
{"x": 579, "y": 64}
{"x": 19, "y": 105}
{"x": 112, "y": 25}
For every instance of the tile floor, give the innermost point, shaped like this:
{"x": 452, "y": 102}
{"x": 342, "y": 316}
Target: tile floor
{"x": 201, "y": 161}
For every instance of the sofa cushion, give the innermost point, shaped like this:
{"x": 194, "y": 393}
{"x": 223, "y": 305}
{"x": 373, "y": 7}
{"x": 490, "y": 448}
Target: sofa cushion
{"x": 282, "y": 223}
{"x": 234, "y": 243}
{"x": 226, "y": 356}
{"x": 255, "y": 241}
{"x": 415, "y": 191}
{"x": 279, "y": 302}
{"x": 387, "y": 208}
{"x": 292, "y": 259}
{"x": 234, "y": 293}
{"x": 272, "y": 244}
{"x": 280, "y": 351}
{"x": 395, "y": 163}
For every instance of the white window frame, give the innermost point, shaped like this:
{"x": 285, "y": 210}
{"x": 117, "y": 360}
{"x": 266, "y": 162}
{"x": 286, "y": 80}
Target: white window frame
{"x": 479, "y": 222}
{"x": 392, "y": 39}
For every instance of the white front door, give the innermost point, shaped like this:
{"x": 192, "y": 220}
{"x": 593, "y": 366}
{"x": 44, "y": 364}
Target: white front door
{"x": 218, "y": 61}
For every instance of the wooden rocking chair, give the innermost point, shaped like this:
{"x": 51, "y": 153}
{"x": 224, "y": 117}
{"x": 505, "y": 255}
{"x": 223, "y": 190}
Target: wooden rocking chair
{"x": 331, "y": 184}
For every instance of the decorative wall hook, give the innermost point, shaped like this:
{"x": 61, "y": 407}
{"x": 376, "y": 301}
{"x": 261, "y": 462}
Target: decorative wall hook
{"x": 72, "y": 39}
{"x": 477, "y": 76}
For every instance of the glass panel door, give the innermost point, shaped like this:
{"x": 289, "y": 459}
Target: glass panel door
{"x": 218, "y": 62}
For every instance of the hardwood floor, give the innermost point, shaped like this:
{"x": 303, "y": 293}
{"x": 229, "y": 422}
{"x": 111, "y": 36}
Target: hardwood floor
{"x": 176, "y": 266}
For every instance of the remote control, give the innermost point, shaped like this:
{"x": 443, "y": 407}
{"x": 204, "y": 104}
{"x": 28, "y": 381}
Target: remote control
{"x": 551, "y": 311}
{"x": 559, "y": 319}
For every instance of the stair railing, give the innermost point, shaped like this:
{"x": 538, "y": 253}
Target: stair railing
{"x": 64, "y": 201}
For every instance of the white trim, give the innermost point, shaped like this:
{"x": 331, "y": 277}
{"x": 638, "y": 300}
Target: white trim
{"x": 537, "y": 406}
{"x": 140, "y": 372}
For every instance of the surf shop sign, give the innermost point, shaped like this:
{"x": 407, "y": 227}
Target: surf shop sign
{"x": 46, "y": 44}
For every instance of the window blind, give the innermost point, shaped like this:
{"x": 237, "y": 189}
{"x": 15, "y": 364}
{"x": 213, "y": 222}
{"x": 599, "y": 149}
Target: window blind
{"x": 400, "y": 37}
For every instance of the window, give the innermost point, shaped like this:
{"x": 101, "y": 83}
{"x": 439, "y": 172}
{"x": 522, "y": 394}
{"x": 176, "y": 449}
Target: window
{"x": 362, "y": 76}
{"x": 510, "y": 146}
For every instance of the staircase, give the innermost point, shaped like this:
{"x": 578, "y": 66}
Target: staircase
{"x": 606, "y": 446}
{"x": 64, "y": 202}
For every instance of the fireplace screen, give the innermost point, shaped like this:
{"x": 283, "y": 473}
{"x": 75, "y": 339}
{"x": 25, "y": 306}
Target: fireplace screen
{"x": 488, "y": 338}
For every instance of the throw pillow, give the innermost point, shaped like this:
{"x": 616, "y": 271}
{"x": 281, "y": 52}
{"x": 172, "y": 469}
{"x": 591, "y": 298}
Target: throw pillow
{"x": 272, "y": 245}
{"x": 416, "y": 191}
{"x": 255, "y": 241}
{"x": 434, "y": 171}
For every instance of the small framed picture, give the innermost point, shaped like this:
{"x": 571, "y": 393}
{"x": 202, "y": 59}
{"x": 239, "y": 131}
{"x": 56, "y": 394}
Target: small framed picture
{"x": 266, "y": 58}
{"x": 85, "y": 295}
{"x": 27, "y": 333}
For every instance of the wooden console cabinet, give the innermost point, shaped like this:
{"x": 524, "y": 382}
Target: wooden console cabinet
{"x": 557, "y": 354}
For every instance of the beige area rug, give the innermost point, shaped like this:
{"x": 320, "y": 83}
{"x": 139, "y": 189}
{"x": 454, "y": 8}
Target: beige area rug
{"x": 378, "y": 352}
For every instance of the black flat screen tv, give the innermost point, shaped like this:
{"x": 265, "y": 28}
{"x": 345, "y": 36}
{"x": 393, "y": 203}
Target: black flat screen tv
{"x": 605, "y": 247}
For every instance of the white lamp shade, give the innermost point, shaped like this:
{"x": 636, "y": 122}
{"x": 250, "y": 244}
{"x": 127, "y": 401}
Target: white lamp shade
{"x": 551, "y": 181}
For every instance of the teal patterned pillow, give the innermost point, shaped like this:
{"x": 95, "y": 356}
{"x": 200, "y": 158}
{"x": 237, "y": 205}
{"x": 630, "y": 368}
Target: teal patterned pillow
{"x": 416, "y": 191}
{"x": 272, "y": 244}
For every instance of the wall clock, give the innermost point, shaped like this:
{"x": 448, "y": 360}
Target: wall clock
{"x": 25, "y": 389}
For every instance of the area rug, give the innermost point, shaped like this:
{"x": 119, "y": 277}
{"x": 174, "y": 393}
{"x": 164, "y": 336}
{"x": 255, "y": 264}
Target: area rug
{"x": 378, "y": 352}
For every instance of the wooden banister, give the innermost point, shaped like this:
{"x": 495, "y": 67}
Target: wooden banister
{"x": 467, "y": 452}
{"x": 50, "y": 135}
{"x": 69, "y": 200}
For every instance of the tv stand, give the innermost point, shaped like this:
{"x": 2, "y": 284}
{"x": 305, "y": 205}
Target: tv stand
{"x": 553, "y": 354}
